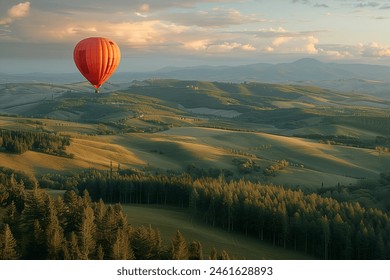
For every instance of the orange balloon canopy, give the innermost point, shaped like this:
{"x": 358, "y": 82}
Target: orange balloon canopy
{"x": 97, "y": 59}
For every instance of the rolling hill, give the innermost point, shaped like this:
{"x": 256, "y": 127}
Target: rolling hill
{"x": 341, "y": 76}
{"x": 301, "y": 137}
{"x": 328, "y": 137}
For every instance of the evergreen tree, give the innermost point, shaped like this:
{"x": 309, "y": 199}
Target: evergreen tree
{"x": 37, "y": 248}
{"x": 100, "y": 252}
{"x": 144, "y": 243}
{"x": 108, "y": 228}
{"x": 17, "y": 193}
{"x": 72, "y": 211}
{"x": 8, "y": 246}
{"x": 195, "y": 251}
{"x": 34, "y": 208}
{"x": 54, "y": 234}
{"x": 4, "y": 195}
{"x": 120, "y": 249}
{"x": 87, "y": 233}
{"x": 11, "y": 218}
{"x": 213, "y": 254}
{"x": 157, "y": 242}
{"x": 71, "y": 248}
{"x": 224, "y": 256}
{"x": 179, "y": 249}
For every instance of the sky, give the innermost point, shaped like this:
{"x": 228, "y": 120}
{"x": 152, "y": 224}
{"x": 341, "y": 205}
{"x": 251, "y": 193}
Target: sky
{"x": 40, "y": 35}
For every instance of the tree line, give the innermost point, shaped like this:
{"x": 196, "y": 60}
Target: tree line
{"x": 369, "y": 193}
{"x": 320, "y": 226}
{"x": 19, "y": 142}
{"x": 36, "y": 226}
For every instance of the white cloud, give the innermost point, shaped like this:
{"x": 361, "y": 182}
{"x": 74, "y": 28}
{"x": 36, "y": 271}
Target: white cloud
{"x": 226, "y": 47}
{"x": 136, "y": 33}
{"x": 280, "y": 41}
{"x": 374, "y": 50}
{"x": 277, "y": 30}
{"x": 333, "y": 54}
{"x": 185, "y": 28}
{"x": 289, "y": 42}
{"x": 197, "y": 45}
{"x": 215, "y": 47}
{"x": 15, "y": 12}
{"x": 19, "y": 10}
{"x": 282, "y": 32}
{"x": 358, "y": 51}
{"x": 311, "y": 47}
{"x": 146, "y": 33}
{"x": 271, "y": 32}
{"x": 277, "y": 42}
{"x": 248, "y": 47}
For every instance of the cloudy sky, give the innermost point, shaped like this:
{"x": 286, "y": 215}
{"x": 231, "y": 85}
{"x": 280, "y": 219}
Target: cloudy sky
{"x": 39, "y": 35}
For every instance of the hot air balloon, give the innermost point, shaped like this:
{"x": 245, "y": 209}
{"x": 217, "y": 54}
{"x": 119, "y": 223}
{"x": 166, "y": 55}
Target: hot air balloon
{"x": 97, "y": 59}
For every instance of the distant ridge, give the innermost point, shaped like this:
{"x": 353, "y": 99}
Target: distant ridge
{"x": 307, "y": 71}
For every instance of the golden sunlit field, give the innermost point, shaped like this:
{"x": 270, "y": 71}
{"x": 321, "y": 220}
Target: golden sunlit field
{"x": 312, "y": 164}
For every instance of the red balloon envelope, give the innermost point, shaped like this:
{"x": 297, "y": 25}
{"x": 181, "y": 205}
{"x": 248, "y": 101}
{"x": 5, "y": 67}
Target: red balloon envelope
{"x": 97, "y": 59}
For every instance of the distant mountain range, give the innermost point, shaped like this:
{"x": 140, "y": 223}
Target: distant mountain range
{"x": 374, "y": 79}
{"x": 306, "y": 69}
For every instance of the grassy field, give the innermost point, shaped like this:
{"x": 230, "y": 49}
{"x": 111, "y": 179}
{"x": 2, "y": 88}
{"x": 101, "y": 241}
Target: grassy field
{"x": 311, "y": 164}
{"x": 315, "y": 163}
{"x": 170, "y": 220}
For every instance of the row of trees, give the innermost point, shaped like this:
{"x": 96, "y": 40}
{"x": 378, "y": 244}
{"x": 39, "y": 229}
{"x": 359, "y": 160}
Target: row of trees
{"x": 20, "y": 142}
{"x": 320, "y": 226}
{"x": 33, "y": 225}
{"x": 273, "y": 169}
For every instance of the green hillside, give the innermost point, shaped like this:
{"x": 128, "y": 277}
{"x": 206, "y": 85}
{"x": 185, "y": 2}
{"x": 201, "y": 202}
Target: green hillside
{"x": 328, "y": 138}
